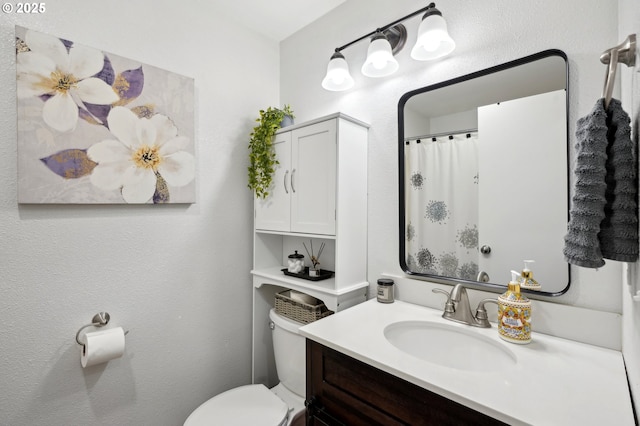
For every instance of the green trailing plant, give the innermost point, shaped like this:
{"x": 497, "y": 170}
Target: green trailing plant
{"x": 262, "y": 155}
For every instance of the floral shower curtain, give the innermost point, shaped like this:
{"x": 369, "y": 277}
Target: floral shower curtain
{"x": 441, "y": 189}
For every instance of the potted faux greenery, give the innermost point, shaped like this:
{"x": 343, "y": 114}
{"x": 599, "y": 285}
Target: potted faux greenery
{"x": 262, "y": 156}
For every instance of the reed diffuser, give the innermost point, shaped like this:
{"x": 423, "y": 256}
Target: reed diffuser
{"x": 315, "y": 259}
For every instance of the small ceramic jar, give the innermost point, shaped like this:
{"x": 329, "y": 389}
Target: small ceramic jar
{"x": 296, "y": 263}
{"x": 385, "y": 290}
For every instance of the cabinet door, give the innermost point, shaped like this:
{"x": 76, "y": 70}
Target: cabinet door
{"x": 344, "y": 391}
{"x": 313, "y": 179}
{"x": 528, "y": 125}
{"x": 273, "y": 213}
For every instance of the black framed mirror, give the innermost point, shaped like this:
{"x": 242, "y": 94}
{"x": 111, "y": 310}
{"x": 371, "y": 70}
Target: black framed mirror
{"x": 484, "y": 175}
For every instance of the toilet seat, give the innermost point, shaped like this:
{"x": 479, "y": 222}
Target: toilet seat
{"x": 241, "y": 406}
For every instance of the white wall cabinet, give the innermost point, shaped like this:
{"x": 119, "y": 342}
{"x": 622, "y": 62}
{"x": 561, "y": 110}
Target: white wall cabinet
{"x": 303, "y": 198}
{"x": 274, "y": 212}
{"x": 319, "y": 195}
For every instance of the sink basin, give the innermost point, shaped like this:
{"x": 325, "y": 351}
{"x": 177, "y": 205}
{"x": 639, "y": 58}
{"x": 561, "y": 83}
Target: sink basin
{"x": 449, "y": 346}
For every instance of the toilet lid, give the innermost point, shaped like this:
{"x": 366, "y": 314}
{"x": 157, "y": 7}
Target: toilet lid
{"x": 244, "y": 405}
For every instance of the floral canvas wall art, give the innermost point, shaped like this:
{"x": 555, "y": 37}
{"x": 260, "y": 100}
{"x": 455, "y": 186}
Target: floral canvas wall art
{"x": 97, "y": 128}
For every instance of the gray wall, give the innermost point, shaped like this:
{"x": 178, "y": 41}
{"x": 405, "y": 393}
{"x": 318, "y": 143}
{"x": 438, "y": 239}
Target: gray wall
{"x": 177, "y": 277}
{"x": 486, "y": 33}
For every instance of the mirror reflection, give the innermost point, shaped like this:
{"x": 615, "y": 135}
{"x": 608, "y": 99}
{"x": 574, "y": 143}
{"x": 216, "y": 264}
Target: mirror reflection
{"x": 484, "y": 175}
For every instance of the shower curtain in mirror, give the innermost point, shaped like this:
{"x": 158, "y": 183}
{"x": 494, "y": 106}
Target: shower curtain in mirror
{"x": 441, "y": 217}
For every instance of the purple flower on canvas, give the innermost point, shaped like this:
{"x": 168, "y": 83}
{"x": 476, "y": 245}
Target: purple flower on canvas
{"x": 128, "y": 85}
{"x": 70, "y": 163}
{"x": 63, "y": 76}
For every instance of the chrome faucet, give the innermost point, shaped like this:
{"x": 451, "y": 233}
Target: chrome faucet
{"x": 457, "y": 308}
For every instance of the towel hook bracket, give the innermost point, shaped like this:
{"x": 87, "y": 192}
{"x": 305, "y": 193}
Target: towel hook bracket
{"x": 624, "y": 53}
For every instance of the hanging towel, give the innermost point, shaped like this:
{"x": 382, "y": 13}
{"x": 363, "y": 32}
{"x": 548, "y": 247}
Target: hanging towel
{"x": 582, "y": 247}
{"x": 619, "y": 230}
{"x": 603, "y": 219}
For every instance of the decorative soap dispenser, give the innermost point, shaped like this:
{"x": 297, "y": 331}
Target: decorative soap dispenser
{"x": 526, "y": 277}
{"x": 514, "y": 313}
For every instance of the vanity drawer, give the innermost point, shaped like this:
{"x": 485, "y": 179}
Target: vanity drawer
{"x": 343, "y": 390}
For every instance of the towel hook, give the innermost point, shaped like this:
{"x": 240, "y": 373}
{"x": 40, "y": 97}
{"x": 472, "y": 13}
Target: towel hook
{"x": 99, "y": 320}
{"x": 624, "y": 53}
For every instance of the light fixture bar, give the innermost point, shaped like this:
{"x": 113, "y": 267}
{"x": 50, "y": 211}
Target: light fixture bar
{"x": 386, "y": 27}
{"x": 433, "y": 42}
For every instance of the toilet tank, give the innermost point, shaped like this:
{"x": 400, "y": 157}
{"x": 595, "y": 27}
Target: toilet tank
{"x": 289, "y": 351}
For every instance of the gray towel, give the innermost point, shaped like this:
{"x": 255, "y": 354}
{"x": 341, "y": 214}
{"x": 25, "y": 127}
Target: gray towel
{"x": 604, "y": 213}
{"x": 619, "y": 230}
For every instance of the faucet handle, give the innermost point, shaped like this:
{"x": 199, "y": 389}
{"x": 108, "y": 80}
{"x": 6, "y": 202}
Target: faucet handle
{"x": 448, "y": 306}
{"x": 481, "y": 313}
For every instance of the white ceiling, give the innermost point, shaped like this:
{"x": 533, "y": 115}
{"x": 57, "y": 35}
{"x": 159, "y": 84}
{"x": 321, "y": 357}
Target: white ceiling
{"x": 276, "y": 19}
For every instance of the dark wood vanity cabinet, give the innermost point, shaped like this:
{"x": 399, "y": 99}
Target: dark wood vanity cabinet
{"x": 344, "y": 391}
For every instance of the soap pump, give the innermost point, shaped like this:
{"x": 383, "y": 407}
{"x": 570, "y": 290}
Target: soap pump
{"x": 526, "y": 280}
{"x": 514, "y": 313}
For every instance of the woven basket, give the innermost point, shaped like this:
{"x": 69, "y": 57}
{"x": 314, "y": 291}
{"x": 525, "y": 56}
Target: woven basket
{"x": 300, "y": 310}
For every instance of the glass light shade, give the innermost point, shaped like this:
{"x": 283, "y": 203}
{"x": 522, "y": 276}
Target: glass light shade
{"x": 338, "y": 77}
{"x": 380, "y": 61}
{"x": 433, "y": 39}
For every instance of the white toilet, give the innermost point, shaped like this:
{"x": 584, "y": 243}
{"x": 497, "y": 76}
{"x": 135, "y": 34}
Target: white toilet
{"x": 256, "y": 404}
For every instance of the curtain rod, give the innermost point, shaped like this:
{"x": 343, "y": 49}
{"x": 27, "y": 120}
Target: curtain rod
{"x": 437, "y": 135}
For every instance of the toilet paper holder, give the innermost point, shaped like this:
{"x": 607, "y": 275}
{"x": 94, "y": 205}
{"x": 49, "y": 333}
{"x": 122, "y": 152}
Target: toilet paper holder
{"x": 99, "y": 320}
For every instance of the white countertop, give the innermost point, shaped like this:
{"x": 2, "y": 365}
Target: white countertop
{"x": 554, "y": 382}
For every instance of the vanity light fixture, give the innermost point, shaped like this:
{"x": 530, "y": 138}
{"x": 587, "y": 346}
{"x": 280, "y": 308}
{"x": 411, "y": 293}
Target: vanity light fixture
{"x": 338, "y": 77}
{"x": 433, "y": 42}
{"x": 380, "y": 61}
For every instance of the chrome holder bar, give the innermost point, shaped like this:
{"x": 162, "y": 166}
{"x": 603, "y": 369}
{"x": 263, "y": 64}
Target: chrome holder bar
{"x": 624, "y": 53}
{"x": 99, "y": 320}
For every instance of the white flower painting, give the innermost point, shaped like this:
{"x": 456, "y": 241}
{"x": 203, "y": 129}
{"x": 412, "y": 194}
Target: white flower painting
{"x": 144, "y": 151}
{"x": 64, "y": 76}
{"x": 94, "y": 127}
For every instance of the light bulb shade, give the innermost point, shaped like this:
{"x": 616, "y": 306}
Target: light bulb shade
{"x": 380, "y": 61}
{"x": 433, "y": 39}
{"x": 338, "y": 77}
